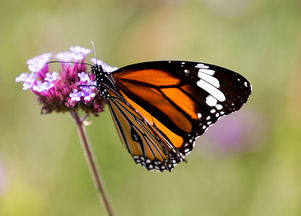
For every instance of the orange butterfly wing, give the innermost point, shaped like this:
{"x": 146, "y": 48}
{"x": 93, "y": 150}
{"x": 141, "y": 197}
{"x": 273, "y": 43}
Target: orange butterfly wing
{"x": 177, "y": 101}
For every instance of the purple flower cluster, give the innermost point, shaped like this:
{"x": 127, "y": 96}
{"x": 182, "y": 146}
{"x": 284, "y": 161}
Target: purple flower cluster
{"x": 70, "y": 89}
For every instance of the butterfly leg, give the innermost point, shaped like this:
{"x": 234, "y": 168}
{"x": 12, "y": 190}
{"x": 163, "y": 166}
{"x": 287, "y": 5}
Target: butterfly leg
{"x": 97, "y": 94}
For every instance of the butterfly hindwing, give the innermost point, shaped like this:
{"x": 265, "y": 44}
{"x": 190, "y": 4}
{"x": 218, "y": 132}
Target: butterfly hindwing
{"x": 140, "y": 139}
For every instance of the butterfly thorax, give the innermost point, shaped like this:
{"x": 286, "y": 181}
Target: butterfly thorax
{"x": 103, "y": 80}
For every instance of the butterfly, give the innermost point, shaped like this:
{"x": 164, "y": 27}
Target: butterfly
{"x": 159, "y": 108}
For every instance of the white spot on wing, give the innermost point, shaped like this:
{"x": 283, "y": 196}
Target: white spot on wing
{"x": 207, "y": 71}
{"x": 211, "y": 90}
{"x": 210, "y": 79}
{"x": 211, "y": 101}
{"x": 219, "y": 107}
{"x": 201, "y": 66}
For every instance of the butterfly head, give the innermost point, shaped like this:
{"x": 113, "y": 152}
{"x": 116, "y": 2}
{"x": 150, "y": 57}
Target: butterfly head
{"x": 98, "y": 72}
{"x": 103, "y": 80}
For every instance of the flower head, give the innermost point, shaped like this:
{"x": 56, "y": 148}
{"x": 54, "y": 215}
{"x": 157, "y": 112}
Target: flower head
{"x": 72, "y": 88}
{"x": 27, "y": 79}
{"x": 37, "y": 63}
{"x": 80, "y": 50}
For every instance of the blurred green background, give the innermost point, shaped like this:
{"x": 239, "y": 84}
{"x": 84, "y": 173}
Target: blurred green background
{"x": 247, "y": 164}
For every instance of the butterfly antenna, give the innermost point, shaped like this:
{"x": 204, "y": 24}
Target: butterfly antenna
{"x": 56, "y": 61}
{"x": 94, "y": 51}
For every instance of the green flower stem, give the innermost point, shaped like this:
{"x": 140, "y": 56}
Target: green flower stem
{"x": 92, "y": 162}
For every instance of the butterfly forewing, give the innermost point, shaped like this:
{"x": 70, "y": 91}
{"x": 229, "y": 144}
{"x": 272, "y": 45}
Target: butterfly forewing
{"x": 181, "y": 99}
